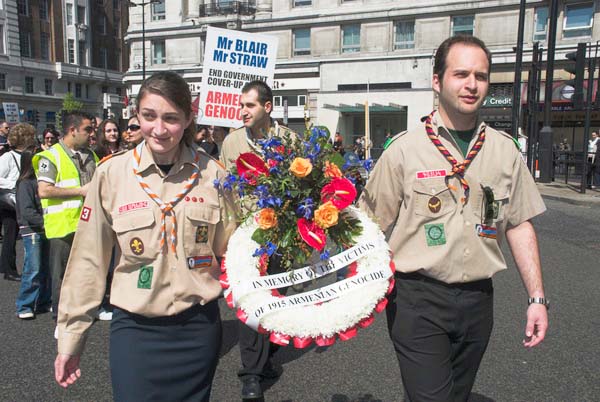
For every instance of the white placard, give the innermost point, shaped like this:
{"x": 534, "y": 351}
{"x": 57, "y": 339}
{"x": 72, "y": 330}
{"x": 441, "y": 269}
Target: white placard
{"x": 231, "y": 59}
{"x": 11, "y": 112}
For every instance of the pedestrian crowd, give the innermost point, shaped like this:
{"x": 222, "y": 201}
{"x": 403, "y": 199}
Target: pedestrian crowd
{"x": 444, "y": 193}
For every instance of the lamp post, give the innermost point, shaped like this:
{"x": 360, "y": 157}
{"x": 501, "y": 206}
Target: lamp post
{"x": 143, "y": 4}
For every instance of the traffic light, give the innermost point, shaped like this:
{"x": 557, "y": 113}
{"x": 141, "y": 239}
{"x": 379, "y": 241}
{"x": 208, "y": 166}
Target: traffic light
{"x": 577, "y": 68}
{"x": 36, "y": 116}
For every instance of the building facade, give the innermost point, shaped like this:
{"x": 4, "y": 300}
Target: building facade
{"x": 336, "y": 55}
{"x": 51, "y": 47}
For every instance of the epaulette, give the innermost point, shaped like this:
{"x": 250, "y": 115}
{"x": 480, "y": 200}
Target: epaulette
{"x": 513, "y": 139}
{"x": 110, "y": 156}
{"x": 203, "y": 152}
{"x": 394, "y": 138}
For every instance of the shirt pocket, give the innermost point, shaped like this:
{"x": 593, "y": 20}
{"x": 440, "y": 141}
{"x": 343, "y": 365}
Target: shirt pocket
{"x": 199, "y": 229}
{"x": 137, "y": 236}
{"x": 491, "y": 211}
{"x": 433, "y": 198}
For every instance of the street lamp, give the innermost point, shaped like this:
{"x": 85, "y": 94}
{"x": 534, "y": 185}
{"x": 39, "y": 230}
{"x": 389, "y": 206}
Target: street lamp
{"x": 143, "y": 4}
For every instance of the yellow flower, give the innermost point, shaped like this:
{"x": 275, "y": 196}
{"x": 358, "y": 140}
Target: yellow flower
{"x": 266, "y": 218}
{"x": 301, "y": 167}
{"x": 332, "y": 170}
{"x": 326, "y": 215}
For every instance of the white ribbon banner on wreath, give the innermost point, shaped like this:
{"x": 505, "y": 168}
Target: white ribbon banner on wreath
{"x": 320, "y": 295}
{"x": 305, "y": 274}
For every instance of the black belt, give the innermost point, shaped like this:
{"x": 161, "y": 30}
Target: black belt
{"x": 482, "y": 284}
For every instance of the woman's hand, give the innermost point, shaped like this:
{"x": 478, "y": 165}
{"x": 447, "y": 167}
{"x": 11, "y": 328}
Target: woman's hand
{"x": 66, "y": 369}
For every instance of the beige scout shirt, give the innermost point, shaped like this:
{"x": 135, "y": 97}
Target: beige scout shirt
{"x": 427, "y": 227}
{"x": 239, "y": 142}
{"x": 146, "y": 281}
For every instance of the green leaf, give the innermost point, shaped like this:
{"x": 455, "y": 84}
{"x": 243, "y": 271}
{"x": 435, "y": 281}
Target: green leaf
{"x": 260, "y": 236}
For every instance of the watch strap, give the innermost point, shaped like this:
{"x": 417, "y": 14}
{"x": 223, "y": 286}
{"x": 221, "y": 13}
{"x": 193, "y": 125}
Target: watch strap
{"x": 538, "y": 300}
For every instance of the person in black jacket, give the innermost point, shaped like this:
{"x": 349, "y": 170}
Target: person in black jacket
{"x": 596, "y": 168}
{"x": 35, "y": 292}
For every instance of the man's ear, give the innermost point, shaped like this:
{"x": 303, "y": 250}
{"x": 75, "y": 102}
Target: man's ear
{"x": 268, "y": 106}
{"x": 436, "y": 83}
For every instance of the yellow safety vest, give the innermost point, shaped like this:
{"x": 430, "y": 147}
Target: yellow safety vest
{"x": 61, "y": 215}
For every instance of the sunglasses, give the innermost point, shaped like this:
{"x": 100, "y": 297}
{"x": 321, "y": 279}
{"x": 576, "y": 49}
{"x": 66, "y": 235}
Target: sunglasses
{"x": 133, "y": 127}
{"x": 49, "y": 137}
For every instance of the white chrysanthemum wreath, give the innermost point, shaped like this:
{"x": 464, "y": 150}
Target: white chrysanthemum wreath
{"x": 321, "y": 315}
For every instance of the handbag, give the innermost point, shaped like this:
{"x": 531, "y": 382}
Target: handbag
{"x": 8, "y": 196}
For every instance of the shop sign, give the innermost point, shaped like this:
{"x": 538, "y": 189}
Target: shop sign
{"x": 497, "y": 101}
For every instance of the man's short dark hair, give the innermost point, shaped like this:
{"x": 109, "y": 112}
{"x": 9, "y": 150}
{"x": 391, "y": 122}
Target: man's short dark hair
{"x": 74, "y": 119}
{"x": 441, "y": 54}
{"x": 265, "y": 94}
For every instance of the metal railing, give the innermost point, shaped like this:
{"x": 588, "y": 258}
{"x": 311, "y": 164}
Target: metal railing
{"x": 227, "y": 7}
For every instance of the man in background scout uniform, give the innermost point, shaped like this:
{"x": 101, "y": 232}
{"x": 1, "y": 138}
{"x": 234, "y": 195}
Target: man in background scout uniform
{"x": 445, "y": 194}
{"x": 257, "y": 104}
{"x": 63, "y": 173}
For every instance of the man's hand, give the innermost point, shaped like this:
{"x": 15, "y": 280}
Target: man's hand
{"x": 537, "y": 324}
{"x": 84, "y": 189}
{"x": 66, "y": 369}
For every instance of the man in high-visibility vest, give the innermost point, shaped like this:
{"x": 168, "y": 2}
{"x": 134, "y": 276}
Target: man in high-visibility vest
{"x": 63, "y": 173}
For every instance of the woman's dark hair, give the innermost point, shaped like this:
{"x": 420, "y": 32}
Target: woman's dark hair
{"x": 102, "y": 148}
{"x": 172, "y": 87}
{"x": 27, "y": 171}
{"x": 441, "y": 54}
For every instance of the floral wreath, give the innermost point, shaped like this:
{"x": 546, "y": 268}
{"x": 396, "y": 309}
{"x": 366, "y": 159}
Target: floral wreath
{"x": 303, "y": 193}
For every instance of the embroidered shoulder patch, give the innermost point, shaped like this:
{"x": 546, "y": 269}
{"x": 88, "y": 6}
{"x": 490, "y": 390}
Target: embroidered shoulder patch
{"x": 86, "y": 212}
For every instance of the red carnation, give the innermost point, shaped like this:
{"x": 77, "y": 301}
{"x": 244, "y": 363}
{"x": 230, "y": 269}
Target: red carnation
{"x": 312, "y": 234}
{"x": 340, "y": 191}
{"x": 250, "y": 166}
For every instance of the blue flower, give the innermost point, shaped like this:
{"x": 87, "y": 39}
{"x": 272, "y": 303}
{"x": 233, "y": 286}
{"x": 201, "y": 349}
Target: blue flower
{"x": 229, "y": 181}
{"x": 367, "y": 164}
{"x": 305, "y": 209}
{"x": 217, "y": 183}
{"x": 324, "y": 255}
{"x": 274, "y": 170}
{"x": 270, "y": 248}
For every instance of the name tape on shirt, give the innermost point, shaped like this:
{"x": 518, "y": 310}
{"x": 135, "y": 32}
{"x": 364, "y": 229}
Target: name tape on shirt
{"x": 86, "y": 212}
{"x": 202, "y": 261}
{"x": 427, "y": 174}
{"x": 486, "y": 231}
{"x": 133, "y": 206}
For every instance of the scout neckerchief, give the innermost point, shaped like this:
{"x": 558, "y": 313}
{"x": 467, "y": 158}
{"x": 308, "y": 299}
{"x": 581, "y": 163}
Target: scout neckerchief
{"x": 165, "y": 208}
{"x": 458, "y": 169}
{"x": 249, "y": 138}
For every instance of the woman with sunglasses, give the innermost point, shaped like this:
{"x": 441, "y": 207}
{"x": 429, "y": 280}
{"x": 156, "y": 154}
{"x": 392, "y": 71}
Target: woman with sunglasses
{"x": 133, "y": 135}
{"x": 50, "y": 138}
{"x": 157, "y": 204}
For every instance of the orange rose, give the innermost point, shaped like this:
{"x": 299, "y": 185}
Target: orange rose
{"x": 326, "y": 215}
{"x": 266, "y": 218}
{"x": 332, "y": 170}
{"x": 301, "y": 167}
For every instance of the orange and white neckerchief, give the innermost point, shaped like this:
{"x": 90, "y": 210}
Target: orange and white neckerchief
{"x": 165, "y": 208}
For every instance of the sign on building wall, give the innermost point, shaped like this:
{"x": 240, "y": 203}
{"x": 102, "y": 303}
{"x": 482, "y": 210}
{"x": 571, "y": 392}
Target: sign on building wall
{"x": 231, "y": 59}
{"x": 11, "y": 112}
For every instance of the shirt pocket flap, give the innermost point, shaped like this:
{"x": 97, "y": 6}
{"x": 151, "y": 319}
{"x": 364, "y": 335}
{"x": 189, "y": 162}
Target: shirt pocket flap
{"x": 208, "y": 213}
{"x": 133, "y": 221}
{"x": 430, "y": 188}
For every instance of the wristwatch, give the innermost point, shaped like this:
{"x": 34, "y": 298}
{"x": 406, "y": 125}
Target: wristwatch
{"x": 539, "y": 300}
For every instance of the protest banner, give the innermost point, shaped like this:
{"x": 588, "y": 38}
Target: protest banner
{"x": 11, "y": 112}
{"x": 231, "y": 59}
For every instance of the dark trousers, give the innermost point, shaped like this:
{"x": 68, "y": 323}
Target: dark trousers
{"x": 255, "y": 349}
{"x": 440, "y": 333}
{"x": 165, "y": 358}
{"x": 59, "y": 256}
{"x": 8, "y": 258}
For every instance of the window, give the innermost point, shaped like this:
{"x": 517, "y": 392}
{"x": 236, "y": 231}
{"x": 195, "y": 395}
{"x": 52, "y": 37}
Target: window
{"x": 540, "y": 28}
{"x": 578, "y": 20}
{"x": 463, "y": 25}
{"x": 50, "y": 117}
{"x": 69, "y": 87}
{"x": 2, "y": 82}
{"x": 77, "y": 90}
{"x": 301, "y": 100}
{"x": 103, "y": 57}
{"x": 80, "y": 14}
{"x": 69, "y": 14}
{"x": 104, "y": 89}
{"x": 405, "y": 35}
{"x": 29, "y": 85}
{"x": 71, "y": 50}
{"x": 158, "y": 11}
{"x": 300, "y": 3}
{"x": 2, "y": 51}
{"x": 44, "y": 10}
{"x": 159, "y": 55}
{"x": 48, "y": 86}
{"x": 115, "y": 4}
{"x": 87, "y": 91}
{"x": 23, "y": 7}
{"x": 351, "y": 38}
{"x": 45, "y": 46}
{"x": 102, "y": 25}
{"x": 277, "y": 101}
{"x": 82, "y": 53}
{"x": 301, "y": 41}
{"x": 25, "y": 42}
